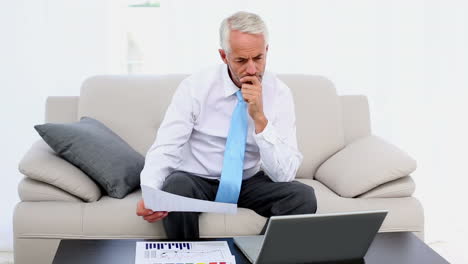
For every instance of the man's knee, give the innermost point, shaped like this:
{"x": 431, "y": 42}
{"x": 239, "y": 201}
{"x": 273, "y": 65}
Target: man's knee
{"x": 306, "y": 195}
{"x": 178, "y": 183}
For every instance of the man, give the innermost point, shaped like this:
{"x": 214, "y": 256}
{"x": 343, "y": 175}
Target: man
{"x": 229, "y": 135}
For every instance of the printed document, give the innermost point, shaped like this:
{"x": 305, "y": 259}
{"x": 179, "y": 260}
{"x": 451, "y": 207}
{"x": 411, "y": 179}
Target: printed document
{"x": 162, "y": 252}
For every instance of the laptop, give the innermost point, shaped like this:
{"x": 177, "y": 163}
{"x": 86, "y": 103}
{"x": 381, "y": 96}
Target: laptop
{"x": 314, "y": 238}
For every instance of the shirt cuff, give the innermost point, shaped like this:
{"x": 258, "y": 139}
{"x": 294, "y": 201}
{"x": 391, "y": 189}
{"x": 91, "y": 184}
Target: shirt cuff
{"x": 267, "y": 137}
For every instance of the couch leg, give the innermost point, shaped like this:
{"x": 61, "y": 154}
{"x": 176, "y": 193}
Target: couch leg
{"x": 419, "y": 235}
{"x": 35, "y": 250}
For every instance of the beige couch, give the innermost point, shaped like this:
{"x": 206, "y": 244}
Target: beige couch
{"x": 59, "y": 201}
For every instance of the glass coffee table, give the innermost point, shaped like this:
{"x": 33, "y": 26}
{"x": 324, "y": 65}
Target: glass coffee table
{"x": 391, "y": 248}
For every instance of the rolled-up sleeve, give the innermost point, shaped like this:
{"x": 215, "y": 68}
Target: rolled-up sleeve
{"x": 277, "y": 143}
{"x": 164, "y": 156}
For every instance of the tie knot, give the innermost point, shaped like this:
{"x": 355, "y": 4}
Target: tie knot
{"x": 239, "y": 96}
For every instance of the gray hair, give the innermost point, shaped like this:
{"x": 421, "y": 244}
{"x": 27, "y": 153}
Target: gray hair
{"x": 244, "y": 22}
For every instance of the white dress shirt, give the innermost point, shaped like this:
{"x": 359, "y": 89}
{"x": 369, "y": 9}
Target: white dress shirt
{"x": 192, "y": 136}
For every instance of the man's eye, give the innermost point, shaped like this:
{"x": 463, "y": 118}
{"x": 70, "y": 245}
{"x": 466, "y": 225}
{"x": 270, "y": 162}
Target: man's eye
{"x": 240, "y": 61}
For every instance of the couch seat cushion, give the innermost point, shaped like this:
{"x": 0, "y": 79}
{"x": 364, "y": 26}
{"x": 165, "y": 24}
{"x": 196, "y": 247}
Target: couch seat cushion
{"x": 116, "y": 218}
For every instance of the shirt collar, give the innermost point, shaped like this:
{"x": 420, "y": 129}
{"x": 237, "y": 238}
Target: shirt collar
{"x": 229, "y": 87}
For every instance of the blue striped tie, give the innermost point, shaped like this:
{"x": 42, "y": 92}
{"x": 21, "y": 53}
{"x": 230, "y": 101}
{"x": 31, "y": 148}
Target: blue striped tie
{"x": 233, "y": 163}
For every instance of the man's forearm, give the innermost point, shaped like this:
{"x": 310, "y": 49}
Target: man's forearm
{"x": 279, "y": 160}
{"x": 260, "y": 124}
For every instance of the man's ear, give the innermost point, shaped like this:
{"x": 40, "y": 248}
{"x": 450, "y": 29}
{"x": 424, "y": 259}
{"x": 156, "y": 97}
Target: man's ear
{"x": 266, "y": 48}
{"x": 223, "y": 55}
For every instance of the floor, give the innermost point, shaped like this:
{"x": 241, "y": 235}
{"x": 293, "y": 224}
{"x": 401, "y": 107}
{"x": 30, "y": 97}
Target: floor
{"x": 6, "y": 257}
{"x": 453, "y": 252}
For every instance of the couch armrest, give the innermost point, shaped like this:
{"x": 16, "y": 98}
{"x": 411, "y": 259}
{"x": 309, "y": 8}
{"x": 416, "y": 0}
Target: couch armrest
{"x": 30, "y": 190}
{"x": 42, "y": 164}
{"x": 403, "y": 187}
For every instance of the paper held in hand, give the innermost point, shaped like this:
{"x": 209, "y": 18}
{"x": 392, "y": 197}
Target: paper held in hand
{"x": 158, "y": 200}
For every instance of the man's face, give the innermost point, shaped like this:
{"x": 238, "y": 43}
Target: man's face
{"x": 247, "y": 56}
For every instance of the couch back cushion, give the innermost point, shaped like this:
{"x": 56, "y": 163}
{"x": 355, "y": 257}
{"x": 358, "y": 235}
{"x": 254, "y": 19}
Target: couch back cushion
{"x": 318, "y": 120}
{"x": 131, "y": 106}
{"x": 134, "y": 106}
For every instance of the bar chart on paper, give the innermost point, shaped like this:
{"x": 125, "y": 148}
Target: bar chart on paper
{"x": 211, "y": 252}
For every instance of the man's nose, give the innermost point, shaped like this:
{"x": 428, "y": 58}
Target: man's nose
{"x": 251, "y": 69}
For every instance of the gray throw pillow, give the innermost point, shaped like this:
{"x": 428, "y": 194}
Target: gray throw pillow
{"x": 98, "y": 152}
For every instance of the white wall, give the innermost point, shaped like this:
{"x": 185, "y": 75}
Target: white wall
{"x": 47, "y": 47}
{"x": 408, "y": 57}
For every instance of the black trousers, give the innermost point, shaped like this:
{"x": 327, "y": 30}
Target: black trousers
{"x": 259, "y": 193}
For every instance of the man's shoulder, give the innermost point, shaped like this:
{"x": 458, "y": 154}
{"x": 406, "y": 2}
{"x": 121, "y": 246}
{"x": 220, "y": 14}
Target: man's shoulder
{"x": 273, "y": 80}
{"x": 208, "y": 74}
{"x": 199, "y": 83}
